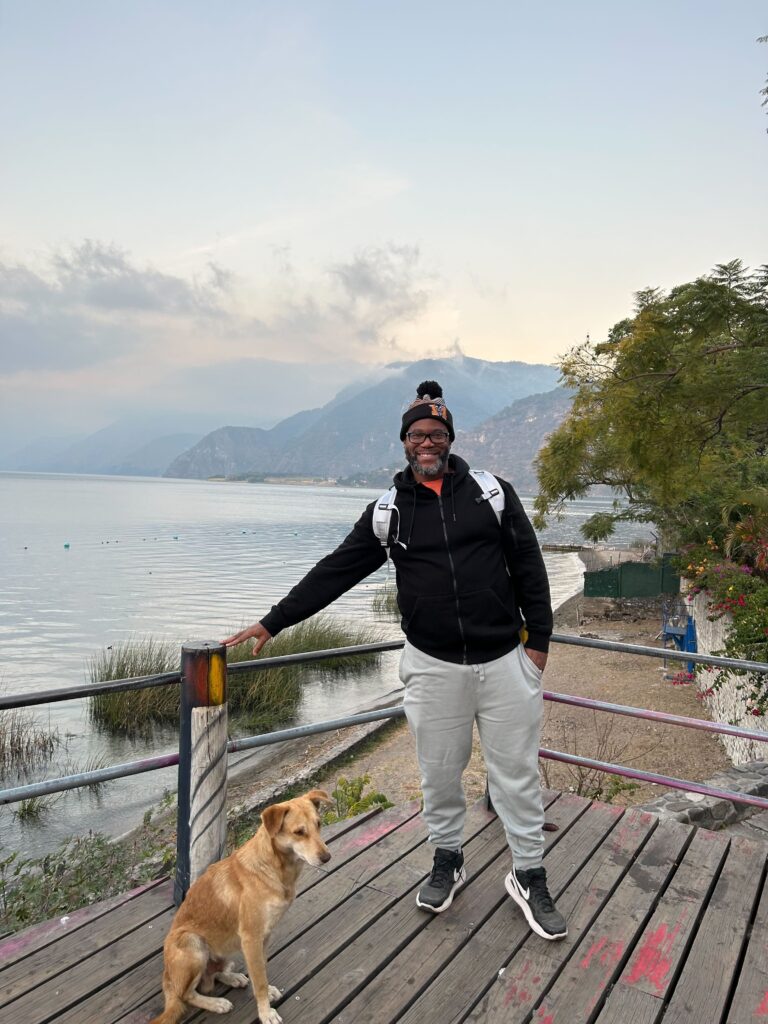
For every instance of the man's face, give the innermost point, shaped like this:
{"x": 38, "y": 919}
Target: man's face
{"x": 427, "y": 458}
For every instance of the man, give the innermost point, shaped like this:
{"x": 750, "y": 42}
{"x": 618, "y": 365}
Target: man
{"x": 466, "y": 586}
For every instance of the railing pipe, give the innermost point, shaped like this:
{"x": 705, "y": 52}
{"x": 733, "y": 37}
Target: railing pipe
{"x": 94, "y": 778}
{"x": 268, "y": 738}
{"x": 665, "y": 653}
{"x": 17, "y": 700}
{"x": 657, "y": 716}
{"x": 23, "y": 700}
{"x": 659, "y": 780}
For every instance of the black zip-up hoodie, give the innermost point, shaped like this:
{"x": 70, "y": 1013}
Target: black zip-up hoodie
{"x": 465, "y": 585}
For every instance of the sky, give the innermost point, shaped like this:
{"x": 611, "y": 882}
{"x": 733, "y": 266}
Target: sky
{"x": 239, "y": 207}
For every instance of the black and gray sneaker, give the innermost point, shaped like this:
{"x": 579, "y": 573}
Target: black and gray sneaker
{"x": 529, "y": 890}
{"x": 447, "y": 875}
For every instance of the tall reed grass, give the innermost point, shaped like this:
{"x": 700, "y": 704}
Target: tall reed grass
{"x": 384, "y": 602}
{"x": 134, "y": 712}
{"x": 24, "y": 743}
{"x": 257, "y": 699}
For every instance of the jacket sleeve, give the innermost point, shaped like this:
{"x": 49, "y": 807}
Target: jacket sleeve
{"x": 358, "y": 555}
{"x": 526, "y": 566}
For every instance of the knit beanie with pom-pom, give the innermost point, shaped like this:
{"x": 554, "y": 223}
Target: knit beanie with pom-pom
{"x": 428, "y": 405}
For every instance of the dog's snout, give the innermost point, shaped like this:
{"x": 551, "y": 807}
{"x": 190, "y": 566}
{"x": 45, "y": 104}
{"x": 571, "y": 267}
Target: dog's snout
{"x": 325, "y": 857}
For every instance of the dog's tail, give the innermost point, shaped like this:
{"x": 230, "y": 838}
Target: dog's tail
{"x": 173, "y": 1012}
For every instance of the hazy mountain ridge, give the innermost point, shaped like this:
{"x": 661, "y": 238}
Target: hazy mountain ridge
{"x": 357, "y": 431}
{"x": 507, "y": 443}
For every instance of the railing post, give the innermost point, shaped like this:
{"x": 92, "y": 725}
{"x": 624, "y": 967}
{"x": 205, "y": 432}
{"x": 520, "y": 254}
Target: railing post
{"x": 202, "y": 817}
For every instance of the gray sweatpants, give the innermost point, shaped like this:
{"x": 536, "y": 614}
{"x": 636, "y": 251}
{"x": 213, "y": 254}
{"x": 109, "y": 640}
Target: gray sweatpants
{"x": 442, "y": 701}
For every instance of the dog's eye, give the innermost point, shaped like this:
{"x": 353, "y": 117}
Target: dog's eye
{"x": 300, "y": 831}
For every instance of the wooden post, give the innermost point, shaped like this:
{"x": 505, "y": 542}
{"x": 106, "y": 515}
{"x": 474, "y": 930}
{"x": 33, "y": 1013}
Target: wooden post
{"x": 202, "y": 817}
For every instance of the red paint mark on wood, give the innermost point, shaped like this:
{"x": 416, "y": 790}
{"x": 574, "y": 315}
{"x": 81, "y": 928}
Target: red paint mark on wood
{"x": 594, "y": 950}
{"x": 762, "y": 1010}
{"x": 545, "y": 1017}
{"x": 653, "y": 959}
{"x": 370, "y": 835}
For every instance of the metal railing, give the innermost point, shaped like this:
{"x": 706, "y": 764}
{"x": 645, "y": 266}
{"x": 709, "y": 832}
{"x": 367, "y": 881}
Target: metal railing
{"x": 198, "y": 681}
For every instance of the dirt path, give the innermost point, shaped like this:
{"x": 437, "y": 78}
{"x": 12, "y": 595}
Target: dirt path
{"x": 618, "y": 678}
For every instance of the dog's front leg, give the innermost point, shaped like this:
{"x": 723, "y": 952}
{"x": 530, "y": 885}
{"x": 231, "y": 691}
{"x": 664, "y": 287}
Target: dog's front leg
{"x": 256, "y": 961}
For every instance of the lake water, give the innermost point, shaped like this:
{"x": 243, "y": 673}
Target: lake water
{"x": 89, "y": 561}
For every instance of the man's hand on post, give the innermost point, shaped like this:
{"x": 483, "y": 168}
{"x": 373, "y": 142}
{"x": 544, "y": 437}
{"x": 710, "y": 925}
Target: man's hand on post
{"x": 539, "y": 658}
{"x": 256, "y": 632}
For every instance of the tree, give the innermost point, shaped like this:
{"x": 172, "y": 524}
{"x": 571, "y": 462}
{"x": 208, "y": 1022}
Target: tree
{"x": 671, "y": 410}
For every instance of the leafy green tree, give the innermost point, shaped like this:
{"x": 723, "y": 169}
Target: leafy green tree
{"x": 671, "y": 410}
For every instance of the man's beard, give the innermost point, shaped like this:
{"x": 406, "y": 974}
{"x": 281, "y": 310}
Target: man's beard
{"x": 436, "y": 469}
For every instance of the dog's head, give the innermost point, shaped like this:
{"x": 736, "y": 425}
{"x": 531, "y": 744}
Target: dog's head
{"x": 294, "y": 827}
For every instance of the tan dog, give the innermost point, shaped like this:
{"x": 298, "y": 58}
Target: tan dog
{"x": 234, "y": 906}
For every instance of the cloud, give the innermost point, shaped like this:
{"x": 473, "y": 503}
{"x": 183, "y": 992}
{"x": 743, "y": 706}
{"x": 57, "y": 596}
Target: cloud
{"x": 87, "y": 332}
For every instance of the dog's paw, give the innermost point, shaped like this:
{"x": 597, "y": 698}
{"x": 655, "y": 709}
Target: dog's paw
{"x": 219, "y": 1006}
{"x": 275, "y": 993}
{"x": 273, "y": 1017}
{"x": 237, "y": 980}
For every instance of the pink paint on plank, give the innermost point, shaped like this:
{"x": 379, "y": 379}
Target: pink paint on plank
{"x": 545, "y": 1017}
{"x": 762, "y": 1010}
{"x": 594, "y": 950}
{"x": 371, "y": 835}
{"x": 653, "y": 959}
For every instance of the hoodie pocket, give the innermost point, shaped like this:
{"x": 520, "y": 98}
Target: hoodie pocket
{"x": 487, "y": 620}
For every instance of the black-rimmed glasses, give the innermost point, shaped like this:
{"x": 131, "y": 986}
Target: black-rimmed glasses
{"x": 419, "y": 436}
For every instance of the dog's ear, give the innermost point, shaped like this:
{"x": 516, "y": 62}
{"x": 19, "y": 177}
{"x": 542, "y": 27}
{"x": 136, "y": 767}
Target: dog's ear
{"x": 272, "y": 818}
{"x": 318, "y": 797}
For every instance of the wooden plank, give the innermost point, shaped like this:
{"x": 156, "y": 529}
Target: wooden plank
{"x": 534, "y": 967}
{"x": 701, "y": 992}
{"x": 315, "y": 903}
{"x": 38, "y": 936}
{"x": 352, "y": 843}
{"x": 632, "y": 1006}
{"x": 596, "y": 960}
{"x": 361, "y": 912}
{"x": 138, "y": 991}
{"x": 45, "y": 1002}
{"x": 506, "y": 934}
{"x": 750, "y": 1002}
{"x": 56, "y": 958}
{"x": 657, "y": 959}
{"x": 135, "y": 995}
{"x": 391, "y": 983}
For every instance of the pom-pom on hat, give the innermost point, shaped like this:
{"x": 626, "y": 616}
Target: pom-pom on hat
{"x": 428, "y": 405}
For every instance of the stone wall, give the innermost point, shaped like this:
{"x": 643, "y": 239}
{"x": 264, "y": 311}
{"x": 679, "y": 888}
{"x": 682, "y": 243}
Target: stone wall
{"x": 726, "y": 704}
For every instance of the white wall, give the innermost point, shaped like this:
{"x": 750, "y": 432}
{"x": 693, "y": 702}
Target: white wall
{"x": 726, "y": 704}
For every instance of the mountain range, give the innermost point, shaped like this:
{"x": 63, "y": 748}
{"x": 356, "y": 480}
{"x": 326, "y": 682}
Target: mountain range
{"x": 502, "y": 410}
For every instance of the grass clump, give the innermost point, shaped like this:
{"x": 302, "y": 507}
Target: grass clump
{"x": 257, "y": 699}
{"x": 135, "y": 711}
{"x": 24, "y": 744}
{"x": 384, "y": 602}
{"x": 265, "y": 697}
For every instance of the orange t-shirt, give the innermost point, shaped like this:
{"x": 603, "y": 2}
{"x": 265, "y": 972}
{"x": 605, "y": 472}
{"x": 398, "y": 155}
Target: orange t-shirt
{"x": 433, "y": 485}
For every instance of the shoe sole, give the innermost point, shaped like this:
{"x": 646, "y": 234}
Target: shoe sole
{"x": 533, "y": 924}
{"x": 449, "y": 900}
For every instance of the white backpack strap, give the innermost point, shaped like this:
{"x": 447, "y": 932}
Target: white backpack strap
{"x": 382, "y": 516}
{"x": 491, "y": 490}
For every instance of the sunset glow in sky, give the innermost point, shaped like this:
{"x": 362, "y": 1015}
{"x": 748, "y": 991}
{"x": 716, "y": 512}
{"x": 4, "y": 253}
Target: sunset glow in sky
{"x": 192, "y": 194}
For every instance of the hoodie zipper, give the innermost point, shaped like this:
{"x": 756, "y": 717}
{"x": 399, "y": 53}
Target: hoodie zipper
{"x": 455, "y": 582}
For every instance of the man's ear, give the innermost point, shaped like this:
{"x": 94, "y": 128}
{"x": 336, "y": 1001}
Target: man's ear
{"x": 318, "y": 797}
{"x": 272, "y": 818}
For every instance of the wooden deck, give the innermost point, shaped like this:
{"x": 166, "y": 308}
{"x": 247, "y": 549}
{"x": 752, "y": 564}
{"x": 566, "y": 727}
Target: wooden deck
{"x": 667, "y": 923}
